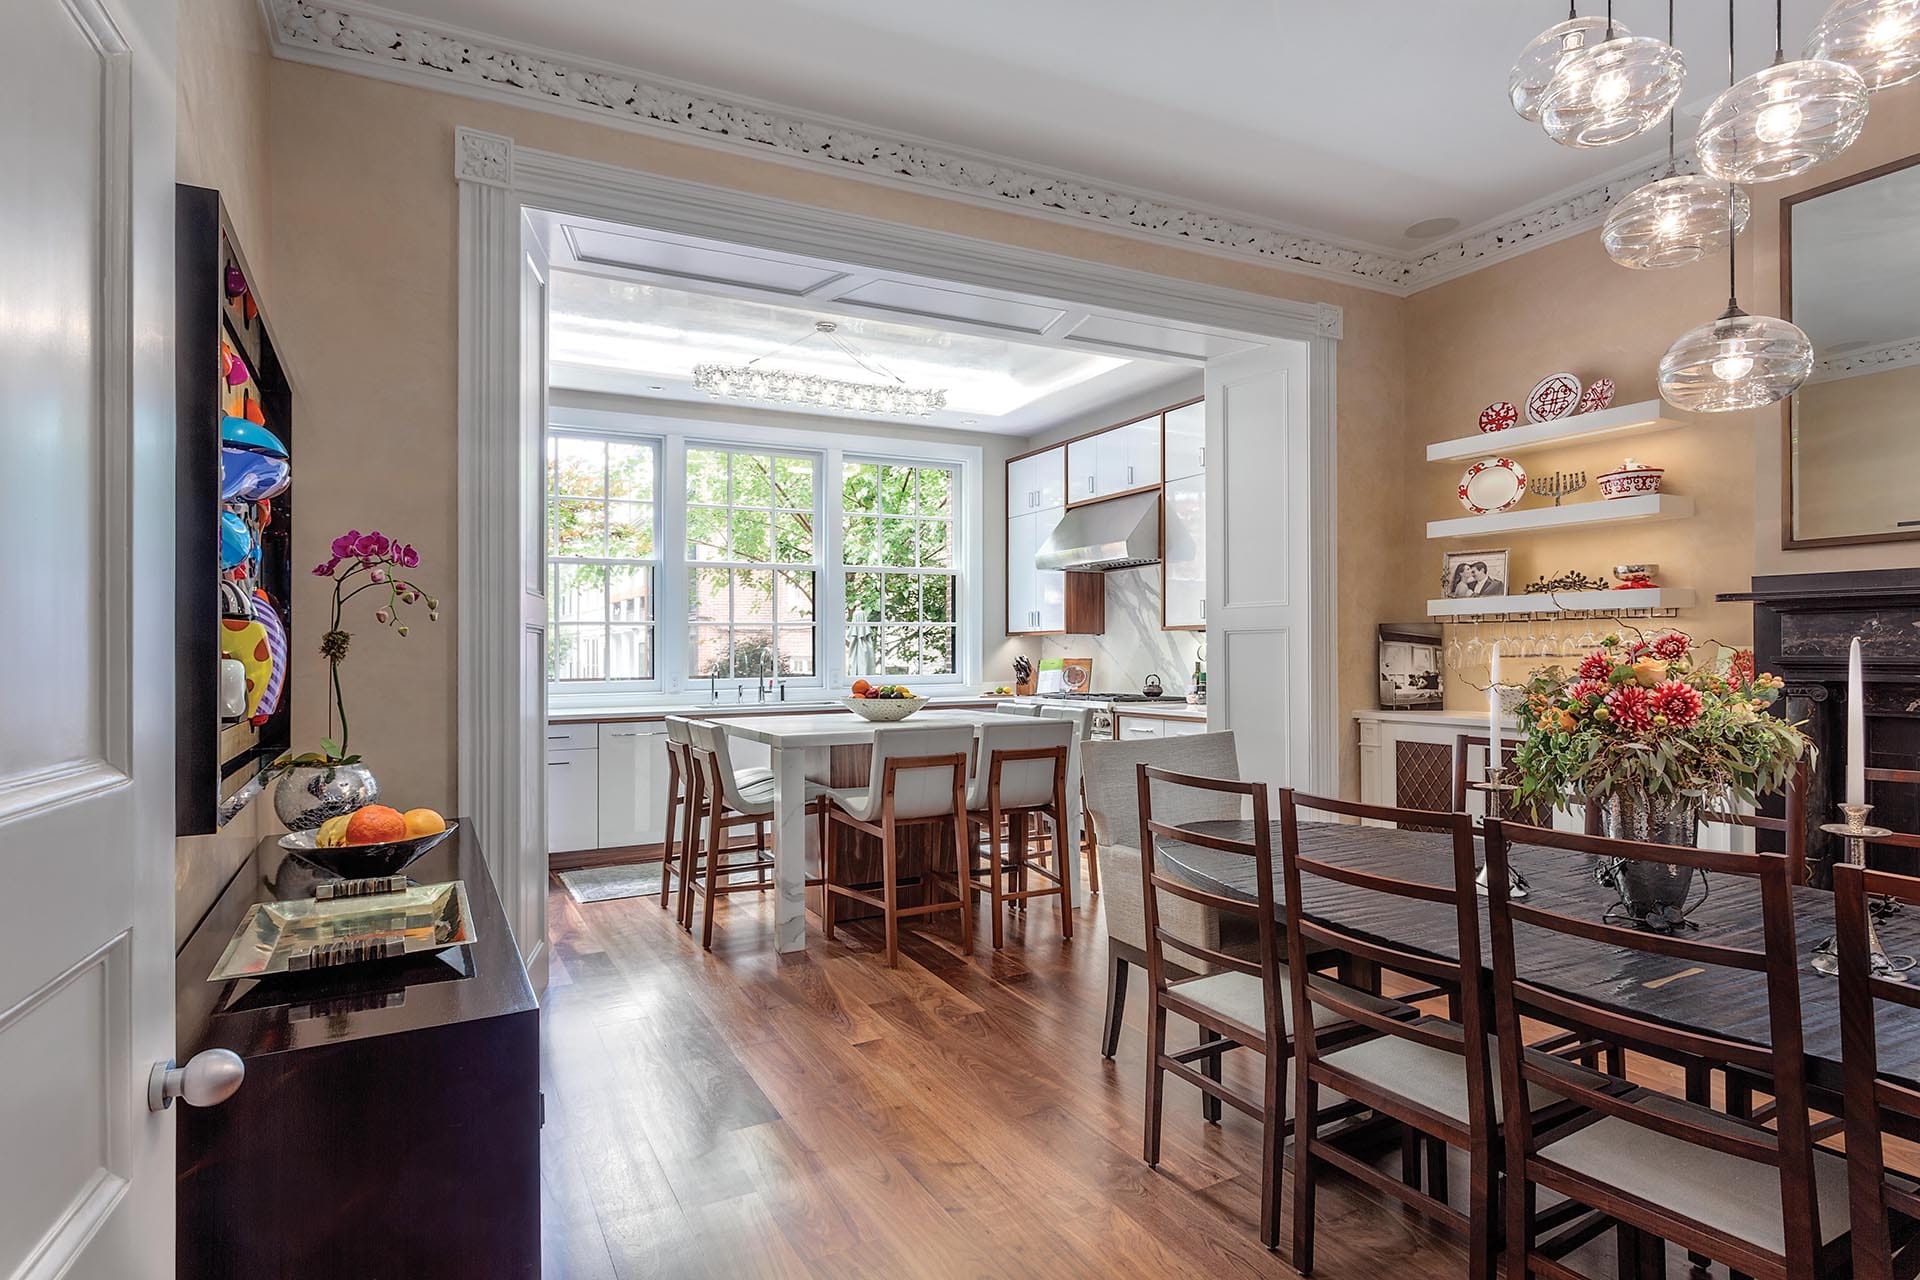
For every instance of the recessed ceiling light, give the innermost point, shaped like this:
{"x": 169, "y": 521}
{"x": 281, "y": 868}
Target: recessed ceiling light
{"x": 1432, "y": 227}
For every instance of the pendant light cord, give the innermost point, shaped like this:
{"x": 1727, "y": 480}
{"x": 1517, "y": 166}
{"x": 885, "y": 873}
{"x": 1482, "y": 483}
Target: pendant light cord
{"x": 1672, "y": 163}
{"x": 1779, "y": 41}
{"x": 1609, "y": 19}
{"x": 1733, "y": 229}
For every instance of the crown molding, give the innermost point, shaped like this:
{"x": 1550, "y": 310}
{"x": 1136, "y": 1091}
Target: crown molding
{"x": 373, "y": 42}
{"x": 1898, "y": 354}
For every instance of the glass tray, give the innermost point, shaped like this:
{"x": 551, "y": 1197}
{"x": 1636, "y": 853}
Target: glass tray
{"x": 352, "y": 928}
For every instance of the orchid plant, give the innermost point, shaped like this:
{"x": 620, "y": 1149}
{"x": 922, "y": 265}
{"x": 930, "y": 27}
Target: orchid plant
{"x": 358, "y": 563}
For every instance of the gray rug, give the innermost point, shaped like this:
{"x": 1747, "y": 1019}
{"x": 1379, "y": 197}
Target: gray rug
{"x": 623, "y": 880}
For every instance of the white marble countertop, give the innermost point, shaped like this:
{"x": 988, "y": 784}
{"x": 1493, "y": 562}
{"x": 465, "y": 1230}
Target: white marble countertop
{"x": 729, "y": 710}
{"x": 1170, "y": 709}
{"x": 844, "y": 728}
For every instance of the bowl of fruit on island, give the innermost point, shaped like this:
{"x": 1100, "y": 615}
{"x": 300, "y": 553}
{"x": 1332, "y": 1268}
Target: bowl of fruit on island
{"x": 883, "y": 702}
{"x": 373, "y": 840}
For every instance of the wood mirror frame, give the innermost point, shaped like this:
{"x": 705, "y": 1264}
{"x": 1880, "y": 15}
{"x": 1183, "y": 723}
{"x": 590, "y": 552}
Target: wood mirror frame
{"x": 1788, "y": 539}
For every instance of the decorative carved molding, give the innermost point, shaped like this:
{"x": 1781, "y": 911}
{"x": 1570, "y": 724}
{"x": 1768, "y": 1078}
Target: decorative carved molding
{"x": 482, "y": 157}
{"x": 373, "y": 42}
{"x": 1852, "y": 364}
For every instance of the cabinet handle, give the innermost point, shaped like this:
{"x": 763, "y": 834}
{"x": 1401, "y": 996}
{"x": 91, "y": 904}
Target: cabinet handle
{"x": 558, "y": 764}
{"x": 631, "y": 733}
{"x": 1203, "y": 455}
{"x": 1129, "y": 475}
{"x": 558, "y": 737}
{"x": 1203, "y": 611}
{"x": 1089, "y": 484}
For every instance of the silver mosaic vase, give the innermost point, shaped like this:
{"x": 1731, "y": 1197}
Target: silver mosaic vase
{"x": 1653, "y": 894}
{"x": 309, "y": 794}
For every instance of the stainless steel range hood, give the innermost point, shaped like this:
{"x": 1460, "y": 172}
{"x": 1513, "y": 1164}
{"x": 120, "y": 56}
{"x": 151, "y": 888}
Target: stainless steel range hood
{"x": 1118, "y": 534}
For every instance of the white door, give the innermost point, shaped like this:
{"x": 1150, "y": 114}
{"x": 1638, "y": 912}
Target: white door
{"x": 86, "y": 650}
{"x": 1260, "y": 589}
{"x": 527, "y": 891}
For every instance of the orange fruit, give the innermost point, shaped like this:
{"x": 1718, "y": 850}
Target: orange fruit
{"x": 424, "y": 822}
{"x": 375, "y": 824}
{"x": 861, "y": 688}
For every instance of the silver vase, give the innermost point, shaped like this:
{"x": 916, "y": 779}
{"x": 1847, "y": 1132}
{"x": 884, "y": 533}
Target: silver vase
{"x": 309, "y": 794}
{"x": 1653, "y": 893}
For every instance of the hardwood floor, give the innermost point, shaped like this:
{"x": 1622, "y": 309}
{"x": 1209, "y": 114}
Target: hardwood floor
{"x": 736, "y": 1114}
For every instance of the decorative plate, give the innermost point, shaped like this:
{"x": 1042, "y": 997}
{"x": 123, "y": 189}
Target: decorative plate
{"x": 1499, "y": 415}
{"x": 1492, "y": 484}
{"x": 1555, "y": 396}
{"x": 1597, "y": 396}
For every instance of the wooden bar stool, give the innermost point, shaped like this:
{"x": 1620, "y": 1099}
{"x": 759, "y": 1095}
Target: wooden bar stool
{"x": 1021, "y": 776}
{"x": 682, "y": 818}
{"x": 917, "y": 776}
{"x": 726, "y": 801}
{"x": 1081, "y": 717}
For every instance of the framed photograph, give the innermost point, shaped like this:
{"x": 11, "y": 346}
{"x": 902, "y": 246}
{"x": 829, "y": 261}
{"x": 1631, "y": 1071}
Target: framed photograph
{"x": 1410, "y": 675}
{"x": 1466, "y": 574}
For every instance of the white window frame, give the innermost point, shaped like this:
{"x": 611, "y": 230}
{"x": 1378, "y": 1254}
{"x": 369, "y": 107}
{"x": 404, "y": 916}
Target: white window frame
{"x": 955, "y": 523}
{"x": 600, "y": 689}
{"x": 858, "y": 441}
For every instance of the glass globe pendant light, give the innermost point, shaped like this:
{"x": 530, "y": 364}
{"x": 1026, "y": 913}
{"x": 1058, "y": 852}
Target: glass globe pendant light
{"x": 1533, "y": 70}
{"x": 1878, "y": 38}
{"x": 1675, "y": 220}
{"x": 1737, "y": 361}
{"x": 1612, "y": 90}
{"x": 1784, "y": 120}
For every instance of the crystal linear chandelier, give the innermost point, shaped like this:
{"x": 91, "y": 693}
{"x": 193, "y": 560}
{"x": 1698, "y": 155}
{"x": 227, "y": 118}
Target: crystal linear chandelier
{"x": 782, "y": 386}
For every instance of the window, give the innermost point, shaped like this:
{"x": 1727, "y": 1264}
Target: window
{"x": 752, "y": 564}
{"x": 897, "y": 548}
{"x": 602, "y": 522}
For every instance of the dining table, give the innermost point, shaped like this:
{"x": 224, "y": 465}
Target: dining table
{"x": 801, "y": 750}
{"x": 1706, "y": 999}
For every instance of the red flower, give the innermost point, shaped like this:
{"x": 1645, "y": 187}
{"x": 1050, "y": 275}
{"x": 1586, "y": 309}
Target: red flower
{"x": 1581, "y": 690}
{"x": 1597, "y": 665}
{"x": 1671, "y": 646}
{"x": 1678, "y": 701}
{"x": 1631, "y": 708}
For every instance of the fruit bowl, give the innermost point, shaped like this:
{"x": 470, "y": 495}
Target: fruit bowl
{"x": 884, "y": 710}
{"x": 355, "y": 860}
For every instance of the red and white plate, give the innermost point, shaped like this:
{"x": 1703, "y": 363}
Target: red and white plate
{"x": 1499, "y": 415}
{"x": 1597, "y": 396}
{"x": 1492, "y": 484}
{"x": 1555, "y": 396}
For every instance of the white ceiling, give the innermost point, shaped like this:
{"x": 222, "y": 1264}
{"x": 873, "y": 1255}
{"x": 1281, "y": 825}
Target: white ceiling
{"x": 1856, "y": 264}
{"x": 632, "y": 312}
{"x": 1349, "y": 120}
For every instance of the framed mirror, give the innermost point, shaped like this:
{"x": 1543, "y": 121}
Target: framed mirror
{"x": 1850, "y": 276}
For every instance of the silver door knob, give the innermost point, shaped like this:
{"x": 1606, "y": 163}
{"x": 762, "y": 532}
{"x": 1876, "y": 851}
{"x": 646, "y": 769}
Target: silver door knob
{"x": 209, "y": 1079}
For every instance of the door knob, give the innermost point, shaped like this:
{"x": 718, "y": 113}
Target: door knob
{"x": 209, "y": 1079}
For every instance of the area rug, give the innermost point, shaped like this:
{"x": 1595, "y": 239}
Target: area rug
{"x": 623, "y": 880}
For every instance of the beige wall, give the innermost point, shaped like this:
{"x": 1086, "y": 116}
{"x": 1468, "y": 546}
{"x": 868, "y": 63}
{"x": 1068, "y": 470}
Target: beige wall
{"x": 1490, "y": 335}
{"x": 365, "y": 237}
{"x": 1854, "y": 469}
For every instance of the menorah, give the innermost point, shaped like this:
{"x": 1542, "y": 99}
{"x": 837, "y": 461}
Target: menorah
{"x": 1558, "y": 485}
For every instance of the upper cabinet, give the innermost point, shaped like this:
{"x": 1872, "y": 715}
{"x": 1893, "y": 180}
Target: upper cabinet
{"x": 1117, "y": 460}
{"x": 1186, "y": 441}
{"x": 1037, "y": 482}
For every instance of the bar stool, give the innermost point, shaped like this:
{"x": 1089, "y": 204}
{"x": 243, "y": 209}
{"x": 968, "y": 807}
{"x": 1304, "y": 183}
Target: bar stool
{"x": 918, "y": 776}
{"x": 729, "y": 801}
{"x": 1082, "y": 717}
{"x": 681, "y": 804}
{"x": 1022, "y": 775}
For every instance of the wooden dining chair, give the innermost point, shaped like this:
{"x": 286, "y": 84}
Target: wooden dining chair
{"x": 1884, "y": 1209}
{"x": 1236, "y": 1002}
{"x": 1020, "y": 780}
{"x": 1764, "y": 1201}
{"x": 722, "y": 802}
{"x": 1897, "y": 777}
{"x": 917, "y": 776}
{"x": 1791, "y": 826}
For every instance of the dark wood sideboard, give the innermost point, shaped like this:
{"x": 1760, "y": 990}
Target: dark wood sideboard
{"x": 389, "y": 1124}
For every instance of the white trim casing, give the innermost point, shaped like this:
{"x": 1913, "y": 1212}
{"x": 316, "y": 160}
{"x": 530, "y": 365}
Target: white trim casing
{"x": 499, "y": 180}
{"x": 370, "y": 41}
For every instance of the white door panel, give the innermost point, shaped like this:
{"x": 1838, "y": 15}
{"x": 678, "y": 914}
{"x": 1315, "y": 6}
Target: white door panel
{"x": 529, "y": 885}
{"x": 86, "y": 746}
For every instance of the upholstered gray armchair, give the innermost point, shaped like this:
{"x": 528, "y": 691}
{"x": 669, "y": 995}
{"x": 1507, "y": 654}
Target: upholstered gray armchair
{"x": 1113, "y": 807}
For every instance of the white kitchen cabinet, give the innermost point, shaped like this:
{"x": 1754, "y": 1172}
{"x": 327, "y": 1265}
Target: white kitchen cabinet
{"x": 1083, "y": 468}
{"x": 1133, "y": 728}
{"x": 1128, "y": 457}
{"x": 1036, "y": 598}
{"x": 1184, "y": 565}
{"x": 632, "y": 784}
{"x": 1186, "y": 431}
{"x": 1181, "y": 728}
{"x": 573, "y": 799}
{"x": 1037, "y": 482}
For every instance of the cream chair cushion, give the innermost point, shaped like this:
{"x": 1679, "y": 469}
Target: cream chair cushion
{"x": 1232, "y": 994}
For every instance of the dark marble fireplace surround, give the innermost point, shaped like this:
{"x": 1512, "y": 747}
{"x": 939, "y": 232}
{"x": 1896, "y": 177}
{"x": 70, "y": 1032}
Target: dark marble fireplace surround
{"x": 1802, "y": 624}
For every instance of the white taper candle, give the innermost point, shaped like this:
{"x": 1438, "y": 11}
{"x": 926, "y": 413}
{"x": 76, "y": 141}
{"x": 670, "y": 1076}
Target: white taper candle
{"x": 1856, "y": 727}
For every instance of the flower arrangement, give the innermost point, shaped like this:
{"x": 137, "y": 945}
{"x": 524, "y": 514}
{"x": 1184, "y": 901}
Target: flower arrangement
{"x": 361, "y": 562}
{"x": 1655, "y": 718}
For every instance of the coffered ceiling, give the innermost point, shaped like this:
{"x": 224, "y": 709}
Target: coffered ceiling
{"x": 1351, "y": 124}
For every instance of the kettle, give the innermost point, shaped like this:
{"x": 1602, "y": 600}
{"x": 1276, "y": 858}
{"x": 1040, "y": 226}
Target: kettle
{"x": 1151, "y": 687}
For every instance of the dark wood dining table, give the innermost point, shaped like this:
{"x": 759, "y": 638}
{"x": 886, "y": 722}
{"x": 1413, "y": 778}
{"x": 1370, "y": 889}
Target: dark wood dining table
{"x": 1708, "y": 999}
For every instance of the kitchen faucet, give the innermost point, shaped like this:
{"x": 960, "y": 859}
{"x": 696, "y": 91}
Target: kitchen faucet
{"x": 713, "y": 685}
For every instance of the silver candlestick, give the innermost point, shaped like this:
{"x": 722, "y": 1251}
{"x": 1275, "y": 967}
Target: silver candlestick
{"x": 1855, "y": 832}
{"x": 1516, "y": 883}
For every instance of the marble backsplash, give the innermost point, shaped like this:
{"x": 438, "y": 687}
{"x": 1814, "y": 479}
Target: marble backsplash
{"x": 1133, "y": 645}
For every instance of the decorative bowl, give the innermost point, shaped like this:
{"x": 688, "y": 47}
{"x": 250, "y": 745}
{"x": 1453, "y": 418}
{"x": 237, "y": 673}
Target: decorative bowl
{"x": 356, "y": 860}
{"x": 884, "y": 710}
{"x": 1630, "y": 480}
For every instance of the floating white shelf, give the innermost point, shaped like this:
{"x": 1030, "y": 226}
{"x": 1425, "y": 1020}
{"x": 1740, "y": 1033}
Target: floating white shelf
{"x": 1653, "y": 506}
{"x": 1632, "y": 600}
{"x": 1642, "y": 418}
